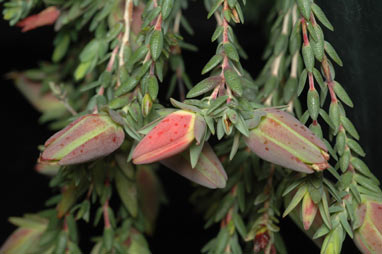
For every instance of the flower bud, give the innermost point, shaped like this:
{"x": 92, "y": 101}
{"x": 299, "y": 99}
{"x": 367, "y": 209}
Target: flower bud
{"x": 151, "y": 195}
{"x": 208, "y": 172}
{"x": 44, "y": 18}
{"x": 281, "y": 139}
{"x": 308, "y": 211}
{"x": 25, "y": 239}
{"x": 31, "y": 90}
{"x": 87, "y": 138}
{"x": 368, "y": 237}
{"x": 171, "y": 136}
{"x": 46, "y": 168}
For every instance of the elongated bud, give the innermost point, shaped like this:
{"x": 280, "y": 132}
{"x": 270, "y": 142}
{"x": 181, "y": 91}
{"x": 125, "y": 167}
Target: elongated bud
{"x": 87, "y": 138}
{"x": 281, "y": 139}
{"x": 308, "y": 211}
{"x": 44, "y": 18}
{"x": 368, "y": 237}
{"x": 171, "y": 136}
{"x": 208, "y": 172}
{"x": 25, "y": 239}
{"x": 151, "y": 195}
{"x": 31, "y": 90}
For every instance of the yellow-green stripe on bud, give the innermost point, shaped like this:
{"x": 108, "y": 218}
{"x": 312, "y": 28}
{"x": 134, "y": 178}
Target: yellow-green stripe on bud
{"x": 280, "y": 138}
{"x": 87, "y": 138}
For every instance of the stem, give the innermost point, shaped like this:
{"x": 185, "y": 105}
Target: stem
{"x": 177, "y": 22}
{"x": 328, "y": 77}
{"x": 127, "y": 16}
{"x": 304, "y": 32}
{"x": 110, "y": 64}
{"x": 106, "y": 214}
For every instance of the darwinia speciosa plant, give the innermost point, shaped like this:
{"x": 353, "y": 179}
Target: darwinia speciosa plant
{"x": 241, "y": 140}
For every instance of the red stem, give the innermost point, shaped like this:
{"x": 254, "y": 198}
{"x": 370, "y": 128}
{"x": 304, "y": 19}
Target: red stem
{"x": 304, "y": 32}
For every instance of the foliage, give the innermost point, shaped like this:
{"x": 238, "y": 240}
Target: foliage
{"x": 109, "y": 64}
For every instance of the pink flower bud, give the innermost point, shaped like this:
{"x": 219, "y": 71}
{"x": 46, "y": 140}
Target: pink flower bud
{"x": 368, "y": 237}
{"x": 171, "y": 136}
{"x": 46, "y": 17}
{"x": 208, "y": 172}
{"x": 31, "y": 90}
{"x": 25, "y": 239}
{"x": 281, "y": 139}
{"x": 87, "y": 138}
{"x": 308, "y": 211}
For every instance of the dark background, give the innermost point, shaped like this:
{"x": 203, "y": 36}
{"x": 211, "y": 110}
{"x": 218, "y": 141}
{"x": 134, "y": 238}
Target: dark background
{"x": 357, "y": 39}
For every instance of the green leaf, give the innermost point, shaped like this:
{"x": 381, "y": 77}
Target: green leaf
{"x": 81, "y": 70}
{"x": 217, "y": 33}
{"x": 355, "y": 147}
{"x": 222, "y": 240}
{"x": 127, "y": 191}
{"x": 216, "y": 103}
{"x": 108, "y": 238}
{"x": 326, "y": 118}
{"x": 349, "y": 127}
{"x": 138, "y": 54}
{"x": 231, "y": 51}
{"x": 295, "y": 200}
{"x": 61, "y": 48}
{"x": 324, "y": 211}
{"x": 334, "y": 115}
{"x": 204, "y": 86}
{"x": 241, "y": 125}
{"x": 340, "y": 142}
{"x": 152, "y": 87}
{"x": 318, "y": 45}
{"x": 323, "y": 230}
{"x": 344, "y": 160}
{"x": 212, "y": 63}
{"x": 225, "y": 205}
{"x": 292, "y": 186}
{"x": 332, "y": 53}
{"x": 214, "y": 8}
{"x": 313, "y": 103}
{"x": 342, "y": 94}
{"x": 302, "y": 81}
{"x": 321, "y": 16}
{"x": 235, "y": 146}
{"x": 167, "y": 6}
{"x": 361, "y": 167}
{"x": 61, "y": 243}
{"x": 90, "y": 51}
{"x": 195, "y": 151}
{"x": 345, "y": 224}
{"x": 156, "y": 44}
{"x": 304, "y": 6}
{"x": 233, "y": 81}
{"x": 290, "y": 89}
{"x": 239, "y": 224}
{"x": 308, "y": 56}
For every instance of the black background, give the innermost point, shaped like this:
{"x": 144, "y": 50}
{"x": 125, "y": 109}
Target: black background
{"x": 357, "y": 39}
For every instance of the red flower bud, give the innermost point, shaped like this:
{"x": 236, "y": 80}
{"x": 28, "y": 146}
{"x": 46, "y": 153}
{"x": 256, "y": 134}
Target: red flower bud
{"x": 171, "y": 136}
{"x": 46, "y": 17}
{"x": 281, "y": 139}
{"x": 208, "y": 172}
{"x": 87, "y": 138}
{"x": 368, "y": 237}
